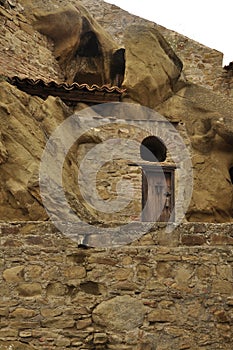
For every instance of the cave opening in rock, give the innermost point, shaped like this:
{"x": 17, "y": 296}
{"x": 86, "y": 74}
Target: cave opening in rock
{"x": 231, "y": 174}
{"x": 153, "y": 149}
{"x": 89, "y": 58}
{"x": 117, "y": 67}
{"x": 89, "y": 45}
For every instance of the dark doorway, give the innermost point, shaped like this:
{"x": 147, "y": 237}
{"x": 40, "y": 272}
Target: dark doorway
{"x": 89, "y": 45}
{"x": 117, "y": 67}
{"x": 231, "y": 174}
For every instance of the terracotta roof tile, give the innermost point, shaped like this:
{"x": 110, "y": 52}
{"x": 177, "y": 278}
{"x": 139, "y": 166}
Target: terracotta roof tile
{"x": 72, "y": 93}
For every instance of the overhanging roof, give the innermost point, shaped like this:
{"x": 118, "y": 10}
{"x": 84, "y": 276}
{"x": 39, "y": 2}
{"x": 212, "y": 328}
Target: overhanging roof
{"x": 69, "y": 93}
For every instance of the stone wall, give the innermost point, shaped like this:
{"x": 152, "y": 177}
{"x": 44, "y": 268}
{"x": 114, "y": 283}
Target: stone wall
{"x": 110, "y": 160}
{"x": 24, "y": 51}
{"x": 162, "y": 291}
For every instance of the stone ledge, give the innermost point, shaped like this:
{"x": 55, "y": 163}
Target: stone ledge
{"x": 46, "y": 234}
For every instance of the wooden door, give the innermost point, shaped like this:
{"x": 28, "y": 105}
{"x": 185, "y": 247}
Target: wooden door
{"x": 158, "y": 193}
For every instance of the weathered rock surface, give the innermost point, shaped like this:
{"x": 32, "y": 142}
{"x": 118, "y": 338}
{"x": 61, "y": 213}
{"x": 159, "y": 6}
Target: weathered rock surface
{"x": 152, "y": 77}
{"x": 152, "y": 67}
{"x": 83, "y": 49}
{"x": 26, "y": 123}
{"x": 224, "y": 128}
{"x": 203, "y": 113}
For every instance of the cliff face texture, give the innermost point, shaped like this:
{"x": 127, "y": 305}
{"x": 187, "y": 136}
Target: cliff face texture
{"x": 161, "y": 289}
{"x": 64, "y": 43}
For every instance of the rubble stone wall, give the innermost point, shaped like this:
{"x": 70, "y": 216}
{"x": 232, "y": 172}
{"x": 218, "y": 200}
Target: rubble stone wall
{"x": 166, "y": 290}
{"x": 119, "y": 180}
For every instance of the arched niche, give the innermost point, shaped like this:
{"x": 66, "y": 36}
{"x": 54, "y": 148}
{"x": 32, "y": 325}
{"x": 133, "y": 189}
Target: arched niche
{"x": 153, "y": 149}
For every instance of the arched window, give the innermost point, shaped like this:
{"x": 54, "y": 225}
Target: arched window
{"x": 153, "y": 149}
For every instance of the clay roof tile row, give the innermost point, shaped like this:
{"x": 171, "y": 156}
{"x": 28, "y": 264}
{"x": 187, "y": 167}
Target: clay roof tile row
{"x": 72, "y": 93}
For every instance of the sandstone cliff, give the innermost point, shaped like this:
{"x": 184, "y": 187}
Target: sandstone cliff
{"x": 65, "y": 43}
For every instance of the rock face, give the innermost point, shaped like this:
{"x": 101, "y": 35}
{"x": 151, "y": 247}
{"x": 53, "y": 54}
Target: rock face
{"x": 223, "y": 127}
{"x": 84, "y": 50}
{"x": 203, "y": 113}
{"x": 76, "y": 48}
{"x": 26, "y": 123}
{"x": 152, "y": 68}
